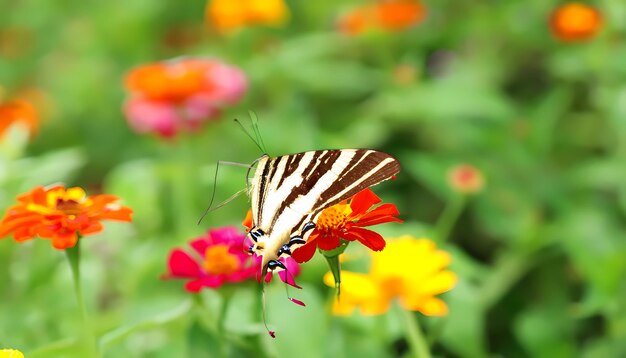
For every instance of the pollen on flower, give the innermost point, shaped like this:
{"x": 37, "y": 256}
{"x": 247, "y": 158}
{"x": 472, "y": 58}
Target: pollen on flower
{"x": 334, "y": 217}
{"x": 218, "y": 260}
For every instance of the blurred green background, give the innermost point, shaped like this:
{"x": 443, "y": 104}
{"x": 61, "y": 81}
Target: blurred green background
{"x": 540, "y": 252}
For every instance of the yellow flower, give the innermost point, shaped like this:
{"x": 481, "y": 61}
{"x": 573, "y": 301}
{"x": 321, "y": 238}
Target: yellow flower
{"x": 410, "y": 269}
{"x": 228, "y": 15}
{"x": 10, "y": 353}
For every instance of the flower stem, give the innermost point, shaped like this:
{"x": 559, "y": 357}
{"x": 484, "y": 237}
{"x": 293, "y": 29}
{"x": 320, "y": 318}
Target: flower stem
{"x": 449, "y": 217}
{"x": 87, "y": 337}
{"x": 508, "y": 270}
{"x": 415, "y": 337}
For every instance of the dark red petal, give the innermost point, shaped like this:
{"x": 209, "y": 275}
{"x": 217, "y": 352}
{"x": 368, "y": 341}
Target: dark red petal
{"x": 328, "y": 242}
{"x": 305, "y": 252}
{"x": 287, "y": 278}
{"x": 362, "y": 201}
{"x": 368, "y": 238}
{"x": 182, "y": 265}
{"x": 298, "y": 302}
{"x": 382, "y": 214}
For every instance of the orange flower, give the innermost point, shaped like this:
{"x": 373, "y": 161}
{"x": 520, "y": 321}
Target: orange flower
{"x": 18, "y": 111}
{"x": 346, "y": 221}
{"x": 181, "y": 94}
{"x": 466, "y": 179}
{"x": 168, "y": 81}
{"x": 575, "y": 22}
{"x": 410, "y": 269}
{"x": 394, "y": 15}
{"x": 229, "y": 15}
{"x": 60, "y": 214}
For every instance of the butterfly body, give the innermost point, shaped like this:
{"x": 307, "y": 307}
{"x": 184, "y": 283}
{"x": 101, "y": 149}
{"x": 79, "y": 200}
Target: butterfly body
{"x": 289, "y": 192}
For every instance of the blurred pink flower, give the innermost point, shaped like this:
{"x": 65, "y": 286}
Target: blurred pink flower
{"x": 218, "y": 258}
{"x": 169, "y": 96}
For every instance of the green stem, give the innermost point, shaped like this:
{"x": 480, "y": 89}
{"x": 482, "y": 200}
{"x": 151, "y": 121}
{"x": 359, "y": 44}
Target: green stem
{"x": 508, "y": 270}
{"x": 87, "y": 337}
{"x": 449, "y": 217}
{"x": 221, "y": 320}
{"x": 180, "y": 173}
{"x": 415, "y": 337}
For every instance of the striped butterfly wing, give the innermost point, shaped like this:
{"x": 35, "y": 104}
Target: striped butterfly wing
{"x": 289, "y": 191}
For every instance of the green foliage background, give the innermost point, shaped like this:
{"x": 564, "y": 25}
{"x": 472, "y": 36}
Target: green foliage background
{"x": 540, "y": 252}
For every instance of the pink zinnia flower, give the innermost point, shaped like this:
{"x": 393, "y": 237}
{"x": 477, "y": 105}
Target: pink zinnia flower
{"x": 217, "y": 258}
{"x": 169, "y": 96}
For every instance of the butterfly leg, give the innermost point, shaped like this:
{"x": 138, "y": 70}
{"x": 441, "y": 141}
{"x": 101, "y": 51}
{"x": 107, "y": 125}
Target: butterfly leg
{"x": 274, "y": 264}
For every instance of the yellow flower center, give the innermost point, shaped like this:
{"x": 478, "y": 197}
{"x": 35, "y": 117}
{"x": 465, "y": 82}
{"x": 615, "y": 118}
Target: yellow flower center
{"x": 217, "y": 260}
{"x": 334, "y": 218}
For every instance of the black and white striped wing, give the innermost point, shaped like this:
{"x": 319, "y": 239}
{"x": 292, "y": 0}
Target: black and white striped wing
{"x": 290, "y": 191}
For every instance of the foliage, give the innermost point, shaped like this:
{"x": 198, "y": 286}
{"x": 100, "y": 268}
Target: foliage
{"x": 539, "y": 252}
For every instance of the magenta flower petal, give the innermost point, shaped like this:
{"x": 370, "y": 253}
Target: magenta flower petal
{"x": 146, "y": 116}
{"x": 182, "y": 265}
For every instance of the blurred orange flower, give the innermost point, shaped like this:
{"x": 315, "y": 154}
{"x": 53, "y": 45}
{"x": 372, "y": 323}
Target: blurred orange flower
{"x": 410, "y": 269}
{"x": 229, "y": 15}
{"x": 575, "y": 22}
{"x": 18, "y": 111}
{"x": 168, "y": 96}
{"x": 393, "y": 15}
{"x": 60, "y": 214}
{"x": 466, "y": 179}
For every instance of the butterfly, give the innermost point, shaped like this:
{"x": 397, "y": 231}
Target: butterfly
{"x": 289, "y": 192}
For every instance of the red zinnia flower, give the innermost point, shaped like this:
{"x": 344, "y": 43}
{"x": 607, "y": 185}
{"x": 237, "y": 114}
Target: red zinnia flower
{"x": 347, "y": 221}
{"x": 61, "y": 215}
{"x": 217, "y": 258}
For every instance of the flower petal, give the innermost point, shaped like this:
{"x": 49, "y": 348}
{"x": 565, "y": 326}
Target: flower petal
{"x": 328, "y": 242}
{"x": 362, "y": 201}
{"x": 382, "y": 214}
{"x": 429, "y": 306}
{"x": 305, "y": 252}
{"x": 180, "y": 264}
{"x": 368, "y": 238}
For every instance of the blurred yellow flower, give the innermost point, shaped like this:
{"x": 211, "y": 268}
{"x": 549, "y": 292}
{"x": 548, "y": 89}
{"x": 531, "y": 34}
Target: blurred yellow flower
{"x": 410, "y": 269}
{"x": 10, "y": 353}
{"x": 466, "y": 178}
{"x": 228, "y": 15}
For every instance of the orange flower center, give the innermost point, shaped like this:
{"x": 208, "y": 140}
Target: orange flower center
{"x": 218, "y": 260}
{"x": 334, "y": 218}
{"x": 391, "y": 286}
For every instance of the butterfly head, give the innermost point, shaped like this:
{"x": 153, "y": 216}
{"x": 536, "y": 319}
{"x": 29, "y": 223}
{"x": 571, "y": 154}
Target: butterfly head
{"x": 268, "y": 249}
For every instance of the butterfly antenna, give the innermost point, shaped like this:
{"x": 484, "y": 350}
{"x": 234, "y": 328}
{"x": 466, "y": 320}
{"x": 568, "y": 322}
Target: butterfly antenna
{"x": 206, "y": 211}
{"x": 257, "y": 131}
{"x": 209, "y": 207}
{"x": 249, "y": 135}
